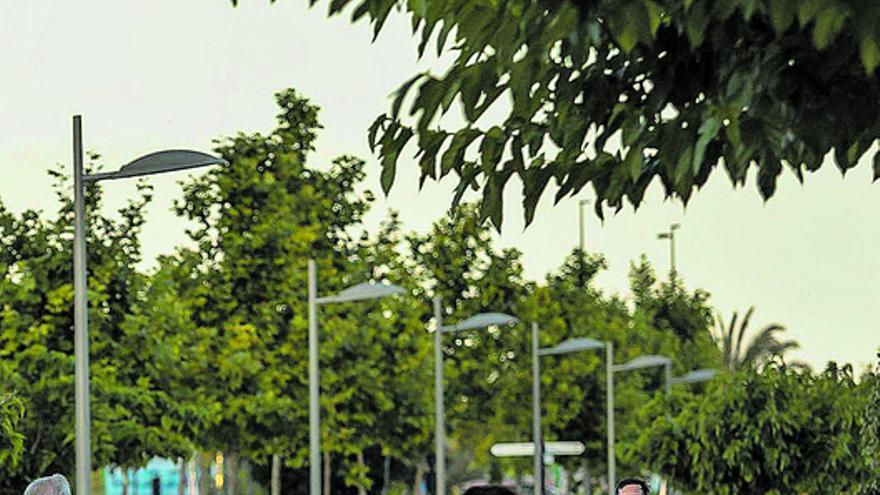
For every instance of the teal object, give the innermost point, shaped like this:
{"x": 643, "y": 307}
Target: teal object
{"x": 141, "y": 480}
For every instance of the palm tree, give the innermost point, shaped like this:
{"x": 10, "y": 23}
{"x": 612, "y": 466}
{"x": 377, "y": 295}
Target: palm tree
{"x": 760, "y": 349}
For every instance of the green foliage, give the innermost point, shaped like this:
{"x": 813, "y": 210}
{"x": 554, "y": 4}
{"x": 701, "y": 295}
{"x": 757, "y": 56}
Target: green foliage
{"x": 615, "y": 94}
{"x": 489, "y": 372}
{"x": 871, "y": 434}
{"x": 779, "y": 430}
{"x": 11, "y": 413}
{"x": 207, "y": 352}
{"x": 257, "y": 222}
{"x": 129, "y": 411}
{"x": 244, "y": 294}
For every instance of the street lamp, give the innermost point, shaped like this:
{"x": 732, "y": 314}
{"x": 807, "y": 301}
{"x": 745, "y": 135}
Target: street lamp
{"x": 582, "y": 237}
{"x": 360, "y": 292}
{"x": 696, "y": 376}
{"x": 151, "y": 164}
{"x": 640, "y": 362}
{"x": 567, "y": 347}
{"x": 481, "y": 320}
{"x": 670, "y": 235}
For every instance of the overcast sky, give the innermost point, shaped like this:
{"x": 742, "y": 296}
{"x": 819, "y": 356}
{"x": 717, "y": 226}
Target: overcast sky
{"x": 166, "y": 74}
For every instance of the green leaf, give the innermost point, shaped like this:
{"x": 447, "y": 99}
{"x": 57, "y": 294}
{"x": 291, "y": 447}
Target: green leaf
{"x": 708, "y": 130}
{"x": 828, "y": 23}
{"x": 655, "y": 16}
{"x": 749, "y": 7}
{"x": 782, "y": 13}
{"x": 430, "y": 143}
{"x": 732, "y": 131}
{"x": 336, "y": 6}
{"x": 870, "y": 53}
{"x": 633, "y": 163}
{"x": 768, "y": 170}
{"x": 400, "y": 94}
{"x": 535, "y": 180}
{"x": 455, "y": 154}
{"x": 696, "y": 24}
{"x": 491, "y": 148}
{"x": 631, "y": 23}
{"x": 876, "y": 167}
{"x": 807, "y": 10}
{"x": 374, "y": 130}
{"x": 390, "y": 151}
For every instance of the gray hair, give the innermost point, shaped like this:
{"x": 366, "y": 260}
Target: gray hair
{"x": 50, "y": 485}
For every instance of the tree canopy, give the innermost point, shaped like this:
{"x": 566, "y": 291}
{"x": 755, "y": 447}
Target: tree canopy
{"x": 206, "y": 351}
{"x": 781, "y": 430}
{"x": 615, "y": 94}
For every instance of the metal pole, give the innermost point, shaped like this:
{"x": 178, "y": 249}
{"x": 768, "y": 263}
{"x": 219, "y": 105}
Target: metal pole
{"x": 536, "y": 413}
{"x": 80, "y": 319}
{"x": 667, "y": 378}
{"x": 440, "y": 420}
{"x": 609, "y": 371}
{"x": 672, "y": 251}
{"x": 583, "y": 242}
{"x": 314, "y": 387}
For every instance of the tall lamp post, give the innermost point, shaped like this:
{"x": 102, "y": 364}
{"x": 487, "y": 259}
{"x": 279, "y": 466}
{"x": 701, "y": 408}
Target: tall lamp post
{"x": 670, "y": 236}
{"x": 640, "y": 362}
{"x": 151, "y": 164}
{"x": 582, "y": 238}
{"x": 567, "y": 347}
{"x": 481, "y": 320}
{"x": 360, "y": 292}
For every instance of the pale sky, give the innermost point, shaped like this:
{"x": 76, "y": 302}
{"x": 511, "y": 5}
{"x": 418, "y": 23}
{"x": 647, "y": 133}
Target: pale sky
{"x": 168, "y": 74}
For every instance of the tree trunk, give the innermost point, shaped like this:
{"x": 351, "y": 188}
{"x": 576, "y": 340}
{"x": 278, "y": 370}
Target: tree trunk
{"x": 362, "y": 490}
{"x": 192, "y": 487}
{"x": 205, "y": 481}
{"x": 276, "y": 475}
{"x": 124, "y": 481}
{"x": 181, "y": 482}
{"x": 231, "y": 482}
{"x": 247, "y": 479}
{"x": 386, "y": 475}
{"x": 327, "y": 470}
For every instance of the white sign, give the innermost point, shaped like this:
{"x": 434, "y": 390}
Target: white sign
{"x": 527, "y": 449}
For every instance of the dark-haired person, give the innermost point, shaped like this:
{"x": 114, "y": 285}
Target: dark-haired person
{"x": 632, "y": 486}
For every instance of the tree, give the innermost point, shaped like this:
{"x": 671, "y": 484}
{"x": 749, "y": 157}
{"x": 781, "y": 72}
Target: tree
{"x": 871, "y": 434}
{"x": 11, "y": 413}
{"x": 778, "y": 430}
{"x": 376, "y": 378}
{"x": 36, "y": 318}
{"x": 457, "y": 261}
{"x": 761, "y": 348}
{"x": 489, "y": 371}
{"x": 257, "y": 222}
{"x": 664, "y": 318}
{"x": 613, "y": 94}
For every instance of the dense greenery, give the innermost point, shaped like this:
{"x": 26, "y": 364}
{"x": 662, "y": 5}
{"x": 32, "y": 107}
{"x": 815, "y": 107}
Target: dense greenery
{"x": 11, "y": 412}
{"x": 776, "y": 431}
{"x": 133, "y": 419}
{"x": 614, "y": 94}
{"x": 206, "y": 352}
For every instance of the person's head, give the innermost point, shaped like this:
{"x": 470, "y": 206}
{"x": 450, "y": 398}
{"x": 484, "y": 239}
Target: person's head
{"x": 489, "y": 490}
{"x": 50, "y": 485}
{"x": 632, "y": 486}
